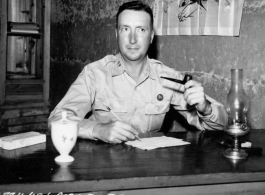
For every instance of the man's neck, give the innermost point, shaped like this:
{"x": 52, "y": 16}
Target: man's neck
{"x": 135, "y": 68}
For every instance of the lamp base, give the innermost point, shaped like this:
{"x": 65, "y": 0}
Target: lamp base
{"x": 64, "y": 158}
{"x": 235, "y": 153}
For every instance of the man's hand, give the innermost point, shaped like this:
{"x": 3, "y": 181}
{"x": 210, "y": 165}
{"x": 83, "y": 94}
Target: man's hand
{"x": 194, "y": 95}
{"x": 114, "y": 132}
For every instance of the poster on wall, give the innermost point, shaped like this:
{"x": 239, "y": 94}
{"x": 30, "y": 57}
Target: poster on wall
{"x": 197, "y": 17}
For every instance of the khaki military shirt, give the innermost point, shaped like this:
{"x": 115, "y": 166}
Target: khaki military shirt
{"x": 106, "y": 83}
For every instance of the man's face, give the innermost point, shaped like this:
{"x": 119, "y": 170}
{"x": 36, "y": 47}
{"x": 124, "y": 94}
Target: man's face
{"x": 134, "y": 34}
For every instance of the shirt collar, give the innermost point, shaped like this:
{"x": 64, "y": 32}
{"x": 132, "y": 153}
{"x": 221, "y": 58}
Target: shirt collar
{"x": 119, "y": 67}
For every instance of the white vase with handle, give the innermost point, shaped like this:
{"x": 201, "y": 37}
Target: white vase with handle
{"x": 64, "y": 135}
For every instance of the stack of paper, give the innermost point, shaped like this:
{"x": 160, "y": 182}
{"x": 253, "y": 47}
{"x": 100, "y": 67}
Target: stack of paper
{"x": 22, "y": 140}
{"x": 156, "y": 142}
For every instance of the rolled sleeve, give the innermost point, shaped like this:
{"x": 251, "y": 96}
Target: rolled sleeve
{"x": 77, "y": 103}
{"x": 216, "y": 120}
{"x": 86, "y": 127}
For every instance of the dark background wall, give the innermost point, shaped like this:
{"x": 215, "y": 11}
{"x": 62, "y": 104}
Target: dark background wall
{"x": 83, "y": 31}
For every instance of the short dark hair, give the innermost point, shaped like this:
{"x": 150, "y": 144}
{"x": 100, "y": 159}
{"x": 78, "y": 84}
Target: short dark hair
{"x": 136, "y": 6}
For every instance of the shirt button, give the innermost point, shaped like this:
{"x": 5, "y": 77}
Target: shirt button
{"x": 160, "y": 97}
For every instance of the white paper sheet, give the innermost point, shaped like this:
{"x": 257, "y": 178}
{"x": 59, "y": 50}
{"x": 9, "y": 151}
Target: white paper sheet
{"x": 156, "y": 142}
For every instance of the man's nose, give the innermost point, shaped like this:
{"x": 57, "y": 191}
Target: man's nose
{"x": 133, "y": 37}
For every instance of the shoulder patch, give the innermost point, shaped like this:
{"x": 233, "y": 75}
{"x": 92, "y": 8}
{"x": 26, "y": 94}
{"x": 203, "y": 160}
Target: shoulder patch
{"x": 156, "y": 61}
{"x": 104, "y": 61}
{"x": 109, "y": 58}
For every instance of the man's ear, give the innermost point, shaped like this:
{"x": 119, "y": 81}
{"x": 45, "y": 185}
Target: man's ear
{"x": 152, "y": 36}
{"x": 116, "y": 33}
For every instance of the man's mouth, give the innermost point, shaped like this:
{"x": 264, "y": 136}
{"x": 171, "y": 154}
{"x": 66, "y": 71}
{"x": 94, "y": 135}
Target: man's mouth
{"x": 132, "y": 48}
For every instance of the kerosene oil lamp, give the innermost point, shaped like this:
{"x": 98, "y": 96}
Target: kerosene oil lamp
{"x": 237, "y": 107}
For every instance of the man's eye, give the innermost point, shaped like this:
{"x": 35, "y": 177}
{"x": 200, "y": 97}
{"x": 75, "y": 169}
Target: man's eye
{"x": 141, "y": 30}
{"x": 124, "y": 29}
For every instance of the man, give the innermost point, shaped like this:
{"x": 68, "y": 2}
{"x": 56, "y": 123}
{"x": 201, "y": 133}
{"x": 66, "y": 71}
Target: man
{"x": 126, "y": 93}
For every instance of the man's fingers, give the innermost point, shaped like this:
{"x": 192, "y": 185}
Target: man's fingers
{"x": 195, "y": 98}
{"x": 131, "y": 130}
{"x": 121, "y": 131}
{"x": 115, "y": 132}
{"x": 117, "y": 139}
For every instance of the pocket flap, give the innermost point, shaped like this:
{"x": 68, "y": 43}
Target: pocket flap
{"x": 116, "y": 105}
{"x": 157, "y": 108}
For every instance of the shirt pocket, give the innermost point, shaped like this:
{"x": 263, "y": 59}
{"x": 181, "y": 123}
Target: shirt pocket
{"x": 156, "y": 112}
{"x": 160, "y": 102}
{"x": 118, "y": 106}
{"x": 106, "y": 98}
{"x": 157, "y": 107}
{"x": 115, "y": 104}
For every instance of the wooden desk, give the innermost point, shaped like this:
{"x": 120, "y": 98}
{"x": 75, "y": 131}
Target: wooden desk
{"x": 99, "y": 168}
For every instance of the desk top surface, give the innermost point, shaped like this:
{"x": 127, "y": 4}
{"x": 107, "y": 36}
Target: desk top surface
{"x": 99, "y": 166}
